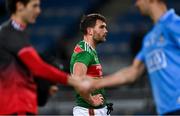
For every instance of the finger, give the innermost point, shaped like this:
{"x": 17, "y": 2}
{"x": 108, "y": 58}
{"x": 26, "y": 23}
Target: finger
{"x": 99, "y": 95}
{"x": 102, "y": 98}
{"x": 102, "y": 102}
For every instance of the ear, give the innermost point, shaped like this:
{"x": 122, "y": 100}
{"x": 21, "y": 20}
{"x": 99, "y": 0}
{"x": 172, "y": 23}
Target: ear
{"x": 19, "y": 6}
{"x": 90, "y": 30}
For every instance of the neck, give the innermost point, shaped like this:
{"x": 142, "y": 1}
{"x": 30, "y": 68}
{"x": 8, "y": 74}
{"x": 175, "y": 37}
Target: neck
{"x": 157, "y": 11}
{"x": 19, "y": 20}
{"x": 90, "y": 41}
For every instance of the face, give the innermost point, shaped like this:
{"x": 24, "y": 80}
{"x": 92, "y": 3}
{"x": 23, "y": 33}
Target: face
{"x": 100, "y": 31}
{"x": 143, "y": 6}
{"x": 30, "y": 11}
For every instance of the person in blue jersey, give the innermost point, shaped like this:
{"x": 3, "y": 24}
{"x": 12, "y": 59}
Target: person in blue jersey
{"x": 160, "y": 55}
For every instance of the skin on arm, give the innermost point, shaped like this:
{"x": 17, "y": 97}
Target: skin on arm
{"x": 80, "y": 70}
{"x": 123, "y": 76}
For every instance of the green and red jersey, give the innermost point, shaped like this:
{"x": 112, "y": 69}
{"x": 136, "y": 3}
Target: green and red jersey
{"x": 87, "y": 55}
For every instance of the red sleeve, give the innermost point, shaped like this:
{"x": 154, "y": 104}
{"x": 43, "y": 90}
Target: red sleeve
{"x": 38, "y": 67}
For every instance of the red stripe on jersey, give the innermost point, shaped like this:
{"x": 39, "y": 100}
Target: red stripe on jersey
{"x": 95, "y": 70}
{"x": 91, "y": 112}
{"x": 78, "y": 49}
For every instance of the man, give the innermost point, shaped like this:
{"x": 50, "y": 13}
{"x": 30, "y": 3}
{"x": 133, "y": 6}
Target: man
{"x": 19, "y": 61}
{"x": 160, "y": 55}
{"x": 84, "y": 61}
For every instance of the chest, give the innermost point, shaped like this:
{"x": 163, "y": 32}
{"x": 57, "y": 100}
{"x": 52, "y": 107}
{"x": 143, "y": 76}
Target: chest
{"x": 157, "y": 38}
{"x": 95, "y": 68}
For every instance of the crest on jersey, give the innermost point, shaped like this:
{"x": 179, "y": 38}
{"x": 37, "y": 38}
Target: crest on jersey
{"x": 161, "y": 41}
{"x": 78, "y": 49}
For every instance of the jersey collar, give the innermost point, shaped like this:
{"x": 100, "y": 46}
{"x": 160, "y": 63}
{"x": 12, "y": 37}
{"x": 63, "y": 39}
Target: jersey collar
{"x": 89, "y": 45}
{"x": 167, "y": 15}
{"x": 18, "y": 26}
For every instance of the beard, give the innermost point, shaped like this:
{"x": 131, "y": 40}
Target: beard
{"x": 99, "y": 40}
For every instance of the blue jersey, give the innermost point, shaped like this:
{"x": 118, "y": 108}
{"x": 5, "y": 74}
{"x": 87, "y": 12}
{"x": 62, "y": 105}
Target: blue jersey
{"x": 161, "y": 55}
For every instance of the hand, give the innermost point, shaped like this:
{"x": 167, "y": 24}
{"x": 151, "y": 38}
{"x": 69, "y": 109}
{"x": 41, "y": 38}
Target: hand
{"x": 96, "y": 100}
{"x": 82, "y": 85}
{"x": 85, "y": 86}
{"x": 53, "y": 90}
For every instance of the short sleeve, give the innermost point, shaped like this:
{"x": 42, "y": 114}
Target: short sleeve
{"x": 84, "y": 57}
{"x": 140, "y": 56}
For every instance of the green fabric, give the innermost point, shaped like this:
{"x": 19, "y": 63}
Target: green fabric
{"x": 89, "y": 57}
{"x": 84, "y": 57}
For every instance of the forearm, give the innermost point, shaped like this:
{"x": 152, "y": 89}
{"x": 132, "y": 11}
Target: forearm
{"x": 122, "y": 77}
{"x": 40, "y": 68}
{"x": 80, "y": 71}
{"x": 50, "y": 73}
{"x": 94, "y": 100}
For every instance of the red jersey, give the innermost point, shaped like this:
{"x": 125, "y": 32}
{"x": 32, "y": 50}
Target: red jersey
{"x": 17, "y": 87}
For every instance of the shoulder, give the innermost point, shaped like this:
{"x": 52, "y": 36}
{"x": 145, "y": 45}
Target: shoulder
{"x": 173, "y": 23}
{"x": 4, "y": 28}
{"x": 82, "y": 47}
{"x": 79, "y": 47}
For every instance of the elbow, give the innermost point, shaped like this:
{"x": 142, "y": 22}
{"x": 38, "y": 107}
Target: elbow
{"x": 131, "y": 80}
{"x": 35, "y": 71}
{"x": 133, "y": 76}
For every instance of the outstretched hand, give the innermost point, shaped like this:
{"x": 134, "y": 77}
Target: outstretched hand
{"x": 85, "y": 86}
{"x": 82, "y": 85}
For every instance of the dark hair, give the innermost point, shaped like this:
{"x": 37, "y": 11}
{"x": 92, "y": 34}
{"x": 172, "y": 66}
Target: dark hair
{"x": 11, "y": 5}
{"x": 90, "y": 21}
{"x": 164, "y": 1}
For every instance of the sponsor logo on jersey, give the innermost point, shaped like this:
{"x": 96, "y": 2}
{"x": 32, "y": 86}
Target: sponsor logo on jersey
{"x": 95, "y": 70}
{"x": 156, "y": 60}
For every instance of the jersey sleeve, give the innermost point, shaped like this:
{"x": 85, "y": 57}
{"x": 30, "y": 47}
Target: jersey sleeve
{"x": 140, "y": 56}
{"x": 84, "y": 57}
{"x": 38, "y": 67}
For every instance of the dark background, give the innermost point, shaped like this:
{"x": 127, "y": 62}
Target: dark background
{"x": 57, "y": 31}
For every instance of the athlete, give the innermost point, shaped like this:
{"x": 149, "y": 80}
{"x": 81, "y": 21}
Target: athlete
{"x": 19, "y": 62}
{"x": 160, "y": 54}
{"x": 85, "y": 61}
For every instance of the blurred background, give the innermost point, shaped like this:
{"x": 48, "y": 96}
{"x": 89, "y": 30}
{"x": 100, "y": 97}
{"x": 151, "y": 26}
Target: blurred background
{"x": 57, "y": 31}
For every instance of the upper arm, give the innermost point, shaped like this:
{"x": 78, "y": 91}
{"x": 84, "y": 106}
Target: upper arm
{"x": 82, "y": 61}
{"x": 30, "y": 58}
{"x": 79, "y": 69}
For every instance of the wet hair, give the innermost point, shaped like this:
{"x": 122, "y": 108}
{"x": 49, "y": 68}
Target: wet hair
{"x": 90, "y": 21}
{"x": 11, "y": 5}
